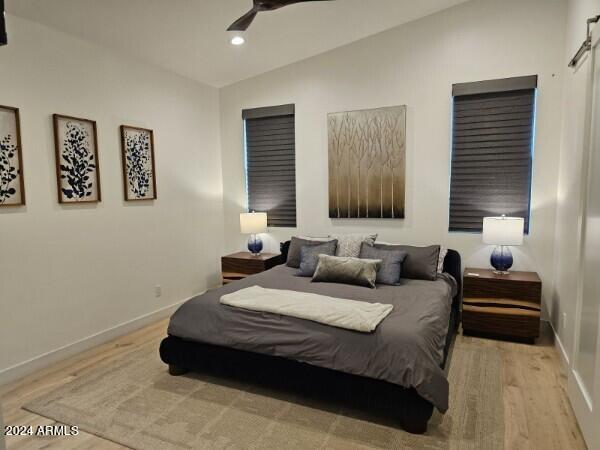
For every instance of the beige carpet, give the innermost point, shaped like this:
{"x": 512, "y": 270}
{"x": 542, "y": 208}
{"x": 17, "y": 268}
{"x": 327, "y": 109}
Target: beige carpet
{"x": 134, "y": 402}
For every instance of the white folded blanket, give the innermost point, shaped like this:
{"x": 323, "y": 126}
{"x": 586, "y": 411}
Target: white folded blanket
{"x": 337, "y": 312}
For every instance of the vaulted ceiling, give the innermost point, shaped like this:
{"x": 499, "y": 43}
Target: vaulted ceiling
{"x": 189, "y": 37}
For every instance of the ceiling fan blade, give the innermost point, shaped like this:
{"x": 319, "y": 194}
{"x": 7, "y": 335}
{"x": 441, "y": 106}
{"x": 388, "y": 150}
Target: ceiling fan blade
{"x": 275, "y": 4}
{"x": 243, "y": 22}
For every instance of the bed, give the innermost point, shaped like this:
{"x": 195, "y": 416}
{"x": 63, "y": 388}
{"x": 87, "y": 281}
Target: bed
{"x": 399, "y": 367}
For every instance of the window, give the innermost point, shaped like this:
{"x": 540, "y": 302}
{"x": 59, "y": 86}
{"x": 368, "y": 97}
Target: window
{"x": 271, "y": 163}
{"x": 492, "y": 151}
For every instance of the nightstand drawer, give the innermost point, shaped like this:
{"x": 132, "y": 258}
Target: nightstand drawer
{"x": 240, "y": 265}
{"x": 503, "y": 289}
{"x": 505, "y": 321}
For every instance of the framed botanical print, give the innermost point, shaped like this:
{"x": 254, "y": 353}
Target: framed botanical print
{"x": 77, "y": 167}
{"x": 12, "y": 187}
{"x": 139, "y": 174}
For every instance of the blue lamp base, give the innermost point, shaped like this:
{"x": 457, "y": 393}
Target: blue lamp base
{"x": 255, "y": 244}
{"x": 501, "y": 259}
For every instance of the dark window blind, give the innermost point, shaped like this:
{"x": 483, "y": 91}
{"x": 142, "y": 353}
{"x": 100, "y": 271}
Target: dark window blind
{"x": 271, "y": 163}
{"x": 492, "y": 149}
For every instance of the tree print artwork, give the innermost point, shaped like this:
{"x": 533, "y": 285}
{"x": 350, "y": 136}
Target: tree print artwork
{"x": 367, "y": 156}
{"x": 77, "y": 159}
{"x": 138, "y": 163}
{"x": 11, "y": 181}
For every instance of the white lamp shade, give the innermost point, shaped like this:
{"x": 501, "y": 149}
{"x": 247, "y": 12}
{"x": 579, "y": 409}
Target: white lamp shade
{"x": 253, "y": 223}
{"x": 503, "y": 230}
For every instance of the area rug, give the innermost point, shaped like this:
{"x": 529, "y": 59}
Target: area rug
{"x": 134, "y": 402}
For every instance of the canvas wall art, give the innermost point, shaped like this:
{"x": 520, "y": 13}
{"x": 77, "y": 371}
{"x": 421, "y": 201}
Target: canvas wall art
{"x": 139, "y": 175}
{"x": 77, "y": 166}
{"x": 12, "y": 187}
{"x": 367, "y": 159}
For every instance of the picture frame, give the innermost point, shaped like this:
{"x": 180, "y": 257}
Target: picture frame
{"x": 12, "y": 182}
{"x": 138, "y": 163}
{"x": 367, "y": 163}
{"x": 77, "y": 164}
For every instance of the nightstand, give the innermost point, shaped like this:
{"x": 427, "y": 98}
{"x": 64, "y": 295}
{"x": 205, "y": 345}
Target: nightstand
{"x": 502, "y": 305}
{"x": 239, "y": 265}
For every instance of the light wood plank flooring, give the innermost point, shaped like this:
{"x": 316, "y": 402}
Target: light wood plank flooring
{"x": 536, "y": 409}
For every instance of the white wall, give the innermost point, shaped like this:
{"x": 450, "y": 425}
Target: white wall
{"x": 576, "y": 95}
{"x": 69, "y": 272}
{"x": 2, "y": 442}
{"x": 414, "y": 64}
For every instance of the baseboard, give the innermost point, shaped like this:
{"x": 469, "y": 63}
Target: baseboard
{"x": 20, "y": 370}
{"x": 564, "y": 357}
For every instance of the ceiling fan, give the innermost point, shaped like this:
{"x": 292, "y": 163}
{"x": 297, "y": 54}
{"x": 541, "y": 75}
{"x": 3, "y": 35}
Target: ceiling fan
{"x": 244, "y": 22}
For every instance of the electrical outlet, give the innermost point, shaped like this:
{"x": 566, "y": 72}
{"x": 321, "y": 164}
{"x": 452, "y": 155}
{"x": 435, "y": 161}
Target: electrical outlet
{"x": 157, "y": 290}
{"x": 564, "y": 321}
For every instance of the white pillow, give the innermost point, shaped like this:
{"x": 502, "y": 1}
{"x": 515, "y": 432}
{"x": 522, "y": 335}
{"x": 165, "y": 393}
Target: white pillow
{"x": 443, "y": 253}
{"x": 349, "y": 244}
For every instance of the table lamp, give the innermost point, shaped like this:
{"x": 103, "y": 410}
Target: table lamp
{"x": 252, "y": 224}
{"x": 502, "y": 232}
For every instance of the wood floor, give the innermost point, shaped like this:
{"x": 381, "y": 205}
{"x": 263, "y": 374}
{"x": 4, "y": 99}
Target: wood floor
{"x": 536, "y": 409}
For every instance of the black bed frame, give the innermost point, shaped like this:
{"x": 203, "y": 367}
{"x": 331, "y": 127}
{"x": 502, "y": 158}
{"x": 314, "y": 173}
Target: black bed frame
{"x": 404, "y": 407}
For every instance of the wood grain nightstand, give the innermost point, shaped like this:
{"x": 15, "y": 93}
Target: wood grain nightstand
{"x": 239, "y": 265}
{"x": 502, "y": 305}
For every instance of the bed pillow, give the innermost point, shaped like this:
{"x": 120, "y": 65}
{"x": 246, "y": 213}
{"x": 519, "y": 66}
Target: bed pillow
{"x": 347, "y": 270}
{"x": 441, "y": 258}
{"x": 284, "y": 248}
{"x": 293, "y": 259}
{"x": 421, "y": 263}
{"x": 391, "y": 263}
{"x": 309, "y": 256}
{"x": 315, "y": 238}
{"x": 349, "y": 244}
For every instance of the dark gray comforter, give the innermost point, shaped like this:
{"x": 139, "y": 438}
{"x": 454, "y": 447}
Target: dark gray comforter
{"x": 405, "y": 349}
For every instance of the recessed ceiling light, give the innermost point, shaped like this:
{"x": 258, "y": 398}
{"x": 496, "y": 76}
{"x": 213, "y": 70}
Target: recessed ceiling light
{"x": 237, "y": 40}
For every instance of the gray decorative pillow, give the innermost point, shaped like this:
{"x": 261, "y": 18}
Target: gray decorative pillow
{"x": 349, "y": 244}
{"x": 293, "y": 259}
{"x": 391, "y": 265}
{"x": 309, "y": 256}
{"x": 421, "y": 262}
{"x": 347, "y": 270}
